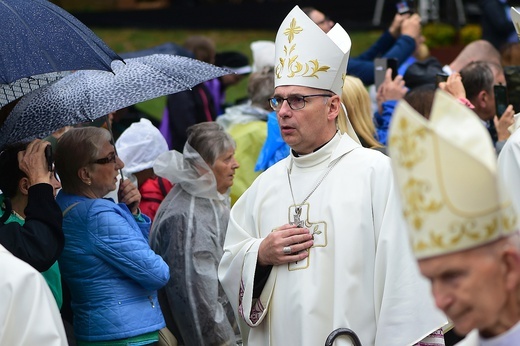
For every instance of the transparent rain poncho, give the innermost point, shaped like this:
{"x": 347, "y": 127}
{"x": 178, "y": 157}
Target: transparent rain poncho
{"x": 189, "y": 232}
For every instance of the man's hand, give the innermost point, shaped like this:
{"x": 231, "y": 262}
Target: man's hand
{"x": 502, "y": 125}
{"x": 454, "y": 86}
{"x": 395, "y": 27}
{"x": 271, "y": 250}
{"x": 33, "y": 163}
{"x": 390, "y": 89}
{"x": 412, "y": 27}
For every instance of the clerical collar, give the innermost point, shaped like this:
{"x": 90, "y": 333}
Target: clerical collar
{"x": 295, "y": 154}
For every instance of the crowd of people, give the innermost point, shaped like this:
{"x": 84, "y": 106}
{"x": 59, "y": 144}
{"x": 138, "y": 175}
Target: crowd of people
{"x": 321, "y": 202}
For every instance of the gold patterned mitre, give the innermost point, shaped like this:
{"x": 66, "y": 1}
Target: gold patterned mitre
{"x": 446, "y": 170}
{"x": 515, "y": 17}
{"x": 307, "y": 56}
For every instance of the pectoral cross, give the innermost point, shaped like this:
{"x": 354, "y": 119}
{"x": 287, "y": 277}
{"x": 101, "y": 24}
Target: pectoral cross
{"x": 298, "y": 222}
{"x": 318, "y": 229}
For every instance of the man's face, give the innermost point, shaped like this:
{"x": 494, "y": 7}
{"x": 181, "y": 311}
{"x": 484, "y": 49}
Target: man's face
{"x": 469, "y": 286}
{"x": 324, "y": 22}
{"x": 306, "y": 129}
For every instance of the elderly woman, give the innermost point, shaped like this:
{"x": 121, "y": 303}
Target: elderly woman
{"x": 189, "y": 231}
{"x": 107, "y": 263}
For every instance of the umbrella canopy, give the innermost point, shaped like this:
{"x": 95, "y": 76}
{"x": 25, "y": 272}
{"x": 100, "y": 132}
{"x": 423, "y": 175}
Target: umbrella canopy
{"x": 39, "y": 37}
{"x": 86, "y": 95}
{"x": 165, "y": 48}
{"x": 12, "y": 91}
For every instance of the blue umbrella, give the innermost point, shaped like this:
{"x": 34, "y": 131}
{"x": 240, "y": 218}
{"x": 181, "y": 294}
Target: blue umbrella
{"x": 39, "y": 37}
{"x": 84, "y": 96}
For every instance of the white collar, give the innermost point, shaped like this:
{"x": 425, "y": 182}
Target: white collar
{"x": 510, "y": 337}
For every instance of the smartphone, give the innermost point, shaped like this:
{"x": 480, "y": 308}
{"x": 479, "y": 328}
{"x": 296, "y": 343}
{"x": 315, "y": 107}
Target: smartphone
{"x": 404, "y": 7}
{"x": 48, "y": 157}
{"x": 380, "y": 67}
{"x": 440, "y": 77}
{"x": 501, "y": 101}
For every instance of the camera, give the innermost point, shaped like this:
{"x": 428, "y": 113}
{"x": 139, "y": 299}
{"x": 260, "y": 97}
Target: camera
{"x": 48, "y": 157}
{"x": 440, "y": 77}
{"x": 405, "y": 7}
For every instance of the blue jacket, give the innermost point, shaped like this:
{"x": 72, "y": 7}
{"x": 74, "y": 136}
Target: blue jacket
{"x": 110, "y": 269}
{"x": 386, "y": 46}
{"x": 382, "y": 121}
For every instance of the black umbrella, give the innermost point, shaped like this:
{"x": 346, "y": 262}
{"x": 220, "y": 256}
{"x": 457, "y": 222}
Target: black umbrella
{"x": 84, "y": 96}
{"x": 39, "y": 37}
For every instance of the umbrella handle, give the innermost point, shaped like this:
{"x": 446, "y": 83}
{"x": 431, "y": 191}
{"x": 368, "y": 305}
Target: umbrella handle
{"x": 109, "y": 128}
{"x": 342, "y": 331}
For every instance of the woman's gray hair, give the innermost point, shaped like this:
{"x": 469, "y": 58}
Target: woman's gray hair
{"x": 210, "y": 140}
{"x": 261, "y": 87}
{"x": 77, "y": 148}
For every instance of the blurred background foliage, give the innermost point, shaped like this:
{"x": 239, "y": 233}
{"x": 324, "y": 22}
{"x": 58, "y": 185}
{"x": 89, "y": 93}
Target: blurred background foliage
{"x": 131, "y": 39}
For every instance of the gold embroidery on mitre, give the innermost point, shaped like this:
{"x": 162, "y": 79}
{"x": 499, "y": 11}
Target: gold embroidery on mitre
{"x": 294, "y": 67}
{"x": 407, "y": 140}
{"x": 465, "y": 233}
{"x": 454, "y": 235}
{"x": 292, "y": 30}
{"x": 417, "y": 203}
{"x": 467, "y": 228}
{"x": 509, "y": 221}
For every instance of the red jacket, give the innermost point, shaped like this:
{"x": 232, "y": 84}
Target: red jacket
{"x": 153, "y": 192}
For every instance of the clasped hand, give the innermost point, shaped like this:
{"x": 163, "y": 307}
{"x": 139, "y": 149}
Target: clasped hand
{"x": 271, "y": 250}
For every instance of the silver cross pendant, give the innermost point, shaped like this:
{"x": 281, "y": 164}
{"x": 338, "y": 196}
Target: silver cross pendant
{"x": 298, "y": 222}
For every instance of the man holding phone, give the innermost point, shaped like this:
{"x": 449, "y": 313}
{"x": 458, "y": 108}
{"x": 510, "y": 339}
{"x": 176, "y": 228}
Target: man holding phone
{"x": 39, "y": 241}
{"x": 479, "y": 79}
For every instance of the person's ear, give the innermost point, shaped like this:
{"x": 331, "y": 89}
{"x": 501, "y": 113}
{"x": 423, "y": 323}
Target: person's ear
{"x": 482, "y": 99}
{"x": 23, "y": 186}
{"x": 511, "y": 260}
{"x": 334, "y": 106}
{"x": 84, "y": 175}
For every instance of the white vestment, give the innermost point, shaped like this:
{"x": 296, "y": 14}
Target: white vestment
{"x": 28, "y": 312}
{"x": 509, "y": 167}
{"x": 360, "y": 273}
{"x": 509, "y": 338}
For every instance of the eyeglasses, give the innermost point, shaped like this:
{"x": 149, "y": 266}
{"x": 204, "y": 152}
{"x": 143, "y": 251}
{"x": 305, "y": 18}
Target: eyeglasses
{"x": 112, "y": 158}
{"x": 295, "y": 101}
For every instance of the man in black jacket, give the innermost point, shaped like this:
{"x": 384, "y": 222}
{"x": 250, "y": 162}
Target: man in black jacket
{"x": 40, "y": 240}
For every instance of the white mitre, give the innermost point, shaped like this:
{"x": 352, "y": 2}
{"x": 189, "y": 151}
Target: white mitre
{"x": 446, "y": 170}
{"x": 307, "y": 56}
